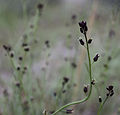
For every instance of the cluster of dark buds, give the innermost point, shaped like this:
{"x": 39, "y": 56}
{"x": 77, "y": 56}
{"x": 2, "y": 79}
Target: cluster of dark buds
{"x": 110, "y": 91}
{"x": 65, "y": 80}
{"x": 83, "y": 27}
{"x": 26, "y": 47}
{"x": 8, "y": 49}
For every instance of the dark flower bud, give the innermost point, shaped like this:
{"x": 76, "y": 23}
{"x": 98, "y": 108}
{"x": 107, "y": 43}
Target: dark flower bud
{"x": 83, "y": 27}
{"x": 5, "y": 92}
{"x": 9, "y": 48}
{"x": 73, "y": 65}
{"x": 20, "y": 58}
{"x": 100, "y": 99}
{"x": 18, "y": 68}
{"x": 69, "y": 111}
{"x": 26, "y": 49}
{"x": 74, "y": 17}
{"x": 109, "y": 58}
{"x": 55, "y": 94}
{"x": 24, "y": 44}
{"x": 105, "y": 65}
{"x": 93, "y": 82}
{"x": 11, "y": 54}
{"x": 112, "y": 93}
{"x": 5, "y": 47}
{"x": 89, "y": 41}
{"x": 81, "y": 30}
{"x": 40, "y": 6}
{"x": 31, "y": 26}
{"x": 107, "y": 94}
{"x": 81, "y": 42}
{"x": 109, "y": 88}
{"x": 96, "y": 57}
{"x": 85, "y": 89}
{"x": 17, "y": 84}
{"x": 47, "y": 43}
{"x": 25, "y": 68}
{"x": 65, "y": 79}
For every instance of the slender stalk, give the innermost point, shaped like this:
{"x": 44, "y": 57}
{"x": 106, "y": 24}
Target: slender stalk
{"x": 101, "y": 106}
{"x": 90, "y": 76}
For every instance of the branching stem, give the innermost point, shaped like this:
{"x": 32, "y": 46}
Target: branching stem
{"x": 90, "y": 77}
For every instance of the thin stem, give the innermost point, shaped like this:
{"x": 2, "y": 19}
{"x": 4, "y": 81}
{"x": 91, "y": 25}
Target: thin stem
{"x": 90, "y": 76}
{"x": 101, "y": 106}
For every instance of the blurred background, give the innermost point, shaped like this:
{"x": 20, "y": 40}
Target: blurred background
{"x": 55, "y": 53}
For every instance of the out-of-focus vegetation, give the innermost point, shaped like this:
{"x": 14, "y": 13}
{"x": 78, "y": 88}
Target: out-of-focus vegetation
{"x": 32, "y": 81}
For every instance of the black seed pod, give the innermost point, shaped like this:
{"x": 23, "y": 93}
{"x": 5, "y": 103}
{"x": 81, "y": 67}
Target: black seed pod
{"x": 20, "y": 58}
{"x": 109, "y": 58}
{"x": 110, "y": 87}
{"x": 107, "y": 94}
{"x": 81, "y": 42}
{"x": 24, "y": 44}
{"x": 89, "y": 41}
{"x": 26, "y": 49}
{"x": 11, "y": 54}
{"x": 69, "y": 111}
{"x": 17, "y": 84}
{"x": 25, "y": 68}
{"x": 73, "y": 65}
{"x": 55, "y": 94}
{"x": 85, "y": 89}
{"x": 112, "y": 93}
{"x": 81, "y": 30}
{"x": 5, "y": 92}
{"x": 96, "y": 57}
{"x": 5, "y": 47}
{"x": 93, "y": 82}
{"x": 40, "y": 6}
{"x": 18, "y": 68}
{"x": 100, "y": 99}
{"x": 66, "y": 79}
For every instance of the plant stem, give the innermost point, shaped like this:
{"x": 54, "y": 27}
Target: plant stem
{"x": 90, "y": 76}
{"x": 101, "y": 106}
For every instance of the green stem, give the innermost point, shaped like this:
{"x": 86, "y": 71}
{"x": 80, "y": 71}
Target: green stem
{"x": 90, "y": 76}
{"x": 101, "y": 106}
